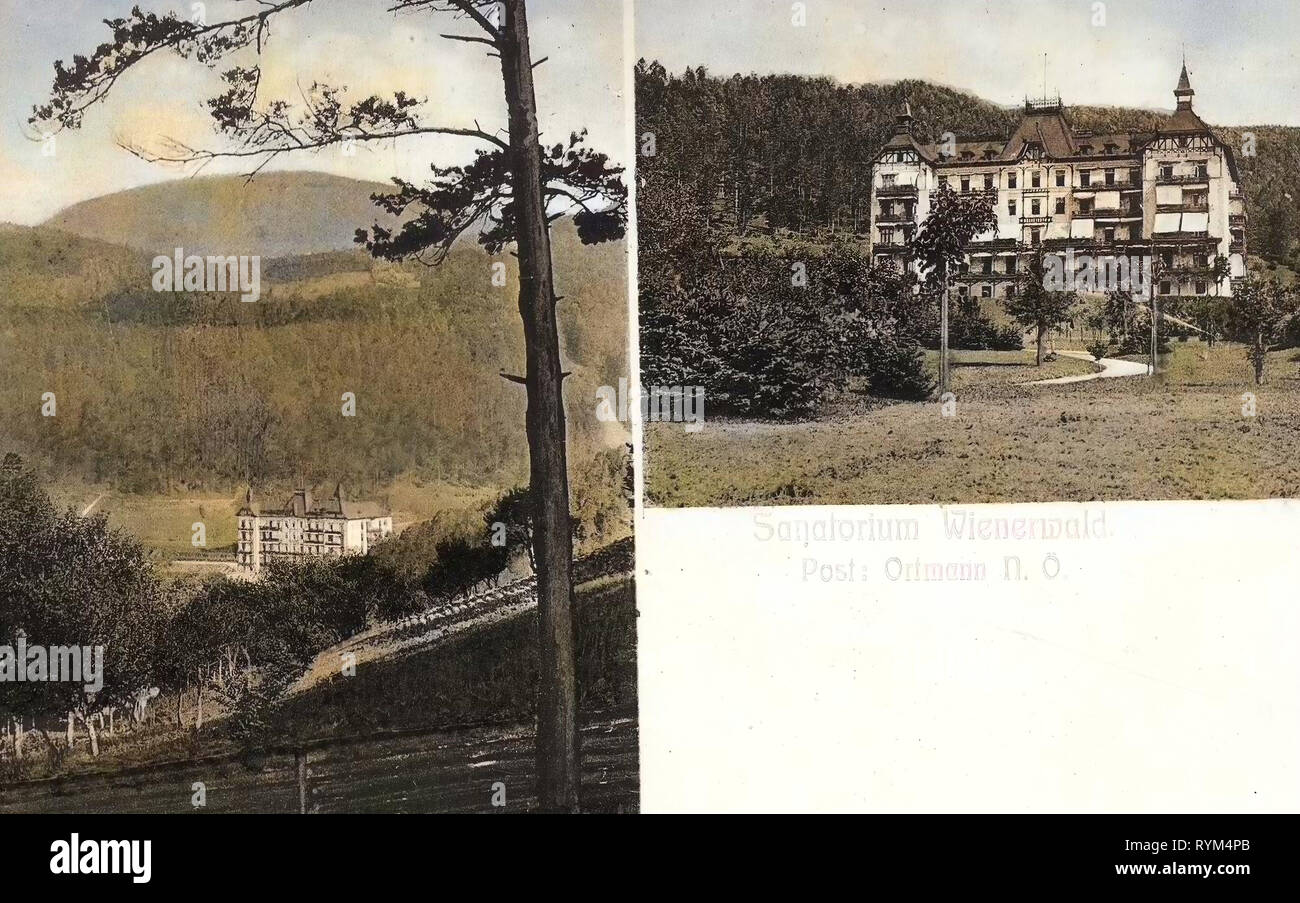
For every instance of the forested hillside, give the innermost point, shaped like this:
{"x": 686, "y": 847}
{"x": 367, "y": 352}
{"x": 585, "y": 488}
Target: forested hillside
{"x": 770, "y": 153}
{"x": 172, "y": 392}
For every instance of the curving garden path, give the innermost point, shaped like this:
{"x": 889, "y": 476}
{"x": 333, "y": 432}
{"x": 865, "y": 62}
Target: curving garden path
{"x": 1110, "y": 369}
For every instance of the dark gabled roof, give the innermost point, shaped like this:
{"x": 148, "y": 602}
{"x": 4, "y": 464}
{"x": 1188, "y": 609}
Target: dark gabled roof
{"x": 1048, "y": 130}
{"x": 1185, "y": 121}
{"x": 903, "y": 141}
{"x": 1044, "y": 127}
{"x": 302, "y": 504}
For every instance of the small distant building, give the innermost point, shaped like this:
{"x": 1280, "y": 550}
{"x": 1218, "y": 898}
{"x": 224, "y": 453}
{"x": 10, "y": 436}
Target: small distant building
{"x": 307, "y": 527}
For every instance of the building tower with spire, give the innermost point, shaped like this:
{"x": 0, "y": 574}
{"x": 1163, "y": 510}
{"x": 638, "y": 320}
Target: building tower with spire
{"x": 1173, "y": 194}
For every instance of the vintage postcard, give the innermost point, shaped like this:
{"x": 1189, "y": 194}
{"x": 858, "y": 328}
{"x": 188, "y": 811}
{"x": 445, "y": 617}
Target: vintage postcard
{"x": 648, "y": 406}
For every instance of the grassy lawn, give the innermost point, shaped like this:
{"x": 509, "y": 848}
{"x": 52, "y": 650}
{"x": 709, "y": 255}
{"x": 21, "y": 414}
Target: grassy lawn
{"x": 1181, "y": 436}
{"x": 973, "y": 370}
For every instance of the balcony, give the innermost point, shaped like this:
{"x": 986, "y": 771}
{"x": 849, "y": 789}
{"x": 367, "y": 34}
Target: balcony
{"x": 896, "y": 191}
{"x": 1197, "y": 179}
{"x": 981, "y": 276}
{"x": 1183, "y": 208}
{"x": 993, "y": 244}
{"x": 1121, "y": 212}
{"x": 896, "y": 219}
{"x": 1236, "y": 219}
{"x": 1237, "y": 247}
{"x": 1186, "y": 271}
{"x": 1035, "y": 220}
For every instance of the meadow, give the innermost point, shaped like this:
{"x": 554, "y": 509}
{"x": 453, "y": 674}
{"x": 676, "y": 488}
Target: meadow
{"x": 1182, "y": 435}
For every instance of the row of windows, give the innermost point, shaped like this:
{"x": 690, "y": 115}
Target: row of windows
{"x": 1200, "y": 287}
{"x": 1086, "y": 207}
{"x": 1108, "y": 176}
{"x": 1130, "y": 232}
{"x": 1036, "y": 179}
{"x": 986, "y": 291}
{"x": 1166, "y": 288}
{"x": 1108, "y": 149}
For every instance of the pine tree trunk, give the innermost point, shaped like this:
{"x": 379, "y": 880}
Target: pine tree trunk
{"x": 557, "y": 724}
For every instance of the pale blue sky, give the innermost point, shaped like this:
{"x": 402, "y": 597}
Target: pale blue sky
{"x": 1241, "y": 55}
{"x": 353, "y": 42}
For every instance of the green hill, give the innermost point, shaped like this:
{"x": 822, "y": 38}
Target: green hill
{"x": 275, "y": 215}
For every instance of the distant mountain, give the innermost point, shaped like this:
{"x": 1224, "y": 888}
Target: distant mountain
{"x": 276, "y": 215}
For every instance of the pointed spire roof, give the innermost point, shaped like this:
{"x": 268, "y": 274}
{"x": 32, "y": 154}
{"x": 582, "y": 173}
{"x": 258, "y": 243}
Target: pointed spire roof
{"x": 1184, "y": 120}
{"x": 902, "y": 138}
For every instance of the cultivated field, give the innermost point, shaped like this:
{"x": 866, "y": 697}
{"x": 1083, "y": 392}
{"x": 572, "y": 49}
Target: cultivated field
{"x": 1180, "y": 436}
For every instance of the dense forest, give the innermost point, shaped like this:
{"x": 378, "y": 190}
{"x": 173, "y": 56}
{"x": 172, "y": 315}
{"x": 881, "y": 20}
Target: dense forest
{"x": 167, "y": 392}
{"x": 790, "y": 155}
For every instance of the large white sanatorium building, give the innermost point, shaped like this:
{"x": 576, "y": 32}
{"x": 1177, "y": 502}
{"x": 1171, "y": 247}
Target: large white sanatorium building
{"x": 309, "y": 527}
{"x": 1174, "y": 194}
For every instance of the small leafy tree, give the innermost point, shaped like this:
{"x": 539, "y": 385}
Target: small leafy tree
{"x": 1035, "y": 305}
{"x": 941, "y": 244}
{"x": 514, "y": 512}
{"x": 1118, "y": 315}
{"x": 1258, "y": 316}
{"x": 1220, "y": 272}
{"x": 1210, "y": 313}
